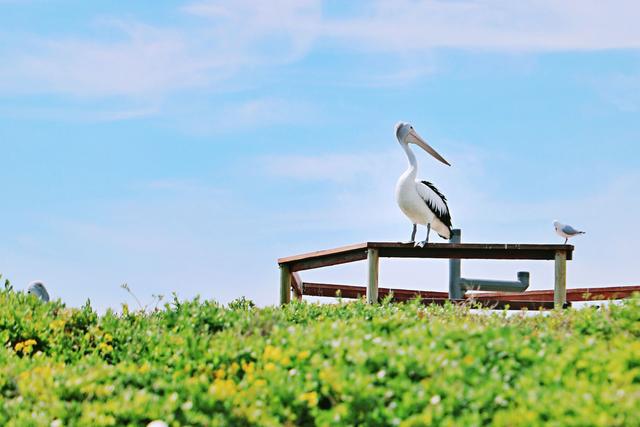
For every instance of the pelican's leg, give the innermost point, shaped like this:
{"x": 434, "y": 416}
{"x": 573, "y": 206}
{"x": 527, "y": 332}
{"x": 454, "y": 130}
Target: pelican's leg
{"x": 413, "y": 233}
{"x": 426, "y": 241}
{"x": 566, "y": 239}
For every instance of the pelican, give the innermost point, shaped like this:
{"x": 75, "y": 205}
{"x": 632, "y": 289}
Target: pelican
{"x": 421, "y": 201}
{"x": 566, "y": 231}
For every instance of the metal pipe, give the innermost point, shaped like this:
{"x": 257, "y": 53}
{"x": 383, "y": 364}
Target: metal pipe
{"x": 455, "y": 291}
{"x": 496, "y": 285}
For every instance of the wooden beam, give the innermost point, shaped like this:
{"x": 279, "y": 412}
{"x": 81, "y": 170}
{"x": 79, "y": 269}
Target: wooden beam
{"x": 428, "y": 297}
{"x": 372, "y": 275}
{"x": 296, "y": 285}
{"x": 560, "y": 286}
{"x": 546, "y": 295}
{"x": 573, "y": 295}
{"x": 285, "y": 284}
{"x": 472, "y": 251}
{"x": 353, "y": 291}
{"x": 357, "y": 252}
{"x": 320, "y": 254}
{"x": 328, "y": 260}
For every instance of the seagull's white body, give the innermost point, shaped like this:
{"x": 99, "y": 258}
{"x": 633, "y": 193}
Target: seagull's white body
{"x": 566, "y": 231}
{"x": 420, "y": 201}
{"x": 37, "y": 288}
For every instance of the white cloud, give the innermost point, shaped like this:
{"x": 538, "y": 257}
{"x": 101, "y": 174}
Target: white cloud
{"x": 539, "y": 25}
{"x": 146, "y": 60}
{"x": 220, "y": 41}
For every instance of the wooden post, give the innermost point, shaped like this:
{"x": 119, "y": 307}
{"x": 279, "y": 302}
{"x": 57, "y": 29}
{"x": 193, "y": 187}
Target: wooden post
{"x": 372, "y": 280}
{"x": 285, "y": 284}
{"x": 560, "y": 287}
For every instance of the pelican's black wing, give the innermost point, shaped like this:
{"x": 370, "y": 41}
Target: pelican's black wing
{"x": 436, "y": 201}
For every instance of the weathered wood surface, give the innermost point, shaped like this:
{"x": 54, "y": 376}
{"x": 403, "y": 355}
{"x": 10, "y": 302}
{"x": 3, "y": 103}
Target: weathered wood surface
{"x": 296, "y": 285}
{"x": 285, "y": 284}
{"x": 428, "y": 297}
{"x": 358, "y": 252}
{"x": 372, "y": 275}
{"x": 354, "y": 291}
{"x": 573, "y": 295}
{"x": 560, "y": 286}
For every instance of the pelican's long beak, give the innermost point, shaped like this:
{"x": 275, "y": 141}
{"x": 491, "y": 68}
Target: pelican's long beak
{"x": 416, "y": 139}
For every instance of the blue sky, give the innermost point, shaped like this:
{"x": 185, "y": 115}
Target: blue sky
{"x": 185, "y": 146}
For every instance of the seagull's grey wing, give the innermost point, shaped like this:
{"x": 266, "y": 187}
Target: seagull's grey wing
{"x": 570, "y": 230}
{"x": 435, "y": 200}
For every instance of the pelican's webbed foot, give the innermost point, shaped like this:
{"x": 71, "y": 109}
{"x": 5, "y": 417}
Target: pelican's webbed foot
{"x": 421, "y": 244}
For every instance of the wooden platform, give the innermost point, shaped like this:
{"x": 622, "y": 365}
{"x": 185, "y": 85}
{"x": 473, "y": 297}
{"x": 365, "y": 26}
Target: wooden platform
{"x": 427, "y": 297}
{"x": 372, "y": 251}
{"x": 531, "y": 299}
{"x": 358, "y": 252}
{"x": 573, "y": 295}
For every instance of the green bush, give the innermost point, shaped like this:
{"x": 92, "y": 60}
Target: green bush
{"x": 198, "y": 363}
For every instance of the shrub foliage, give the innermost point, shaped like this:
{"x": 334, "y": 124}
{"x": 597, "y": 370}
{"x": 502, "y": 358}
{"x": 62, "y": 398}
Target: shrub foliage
{"x": 198, "y": 363}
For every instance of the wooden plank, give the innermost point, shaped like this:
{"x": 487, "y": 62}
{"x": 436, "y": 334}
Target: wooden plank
{"x": 328, "y": 260}
{"x": 573, "y": 295}
{"x": 354, "y": 291}
{"x": 323, "y": 253}
{"x": 296, "y": 285}
{"x": 372, "y": 275}
{"x": 472, "y": 251}
{"x": 285, "y": 284}
{"x": 428, "y": 297}
{"x": 560, "y": 286}
{"x": 432, "y": 250}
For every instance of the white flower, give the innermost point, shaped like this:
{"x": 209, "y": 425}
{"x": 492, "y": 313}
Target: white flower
{"x": 435, "y": 399}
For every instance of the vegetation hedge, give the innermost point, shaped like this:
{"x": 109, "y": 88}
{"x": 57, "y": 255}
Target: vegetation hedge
{"x": 198, "y": 363}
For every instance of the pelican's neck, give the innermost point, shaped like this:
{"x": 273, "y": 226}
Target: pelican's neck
{"x": 413, "y": 164}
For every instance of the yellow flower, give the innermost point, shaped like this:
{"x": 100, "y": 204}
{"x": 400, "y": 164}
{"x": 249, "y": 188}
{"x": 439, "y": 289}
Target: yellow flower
{"x": 311, "y": 398}
{"x": 233, "y": 369}
{"x": 272, "y": 353}
{"x": 25, "y": 347}
{"x": 105, "y": 348}
{"x": 219, "y": 373}
{"x": 303, "y": 355}
{"x": 270, "y": 367}
{"x": 57, "y": 324}
{"x": 222, "y": 389}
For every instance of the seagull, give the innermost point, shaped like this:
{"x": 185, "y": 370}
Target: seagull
{"x": 421, "y": 201}
{"x": 566, "y": 231}
{"x": 37, "y": 288}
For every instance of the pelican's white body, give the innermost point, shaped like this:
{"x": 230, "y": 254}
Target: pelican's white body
{"x": 412, "y": 204}
{"x": 416, "y": 199}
